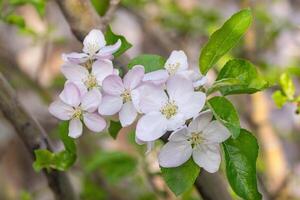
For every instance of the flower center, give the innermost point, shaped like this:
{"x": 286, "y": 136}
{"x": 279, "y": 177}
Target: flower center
{"x": 77, "y": 113}
{"x": 169, "y": 110}
{"x": 91, "y": 82}
{"x": 126, "y": 96}
{"x": 196, "y": 139}
{"x": 92, "y": 48}
{"x": 172, "y": 68}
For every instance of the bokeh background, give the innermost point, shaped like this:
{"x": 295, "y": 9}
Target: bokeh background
{"x": 34, "y": 34}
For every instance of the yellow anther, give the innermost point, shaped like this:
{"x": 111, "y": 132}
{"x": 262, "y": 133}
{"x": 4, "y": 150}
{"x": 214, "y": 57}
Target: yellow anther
{"x": 169, "y": 110}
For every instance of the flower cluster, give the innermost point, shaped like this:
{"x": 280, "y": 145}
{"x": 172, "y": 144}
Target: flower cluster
{"x": 163, "y": 101}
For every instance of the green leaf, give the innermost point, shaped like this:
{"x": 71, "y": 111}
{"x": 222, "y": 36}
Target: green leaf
{"x": 279, "y": 98}
{"x": 113, "y": 165}
{"x": 112, "y": 38}
{"x": 240, "y": 157}
{"x": 15, "y": 20}
{"x": 150, "y": 62}
{"x": 60, "y": 161}
{"x": 224, "y": 39}
{"x": 248, "y": 79}
{"x": 287, "y": 85}
{"x": 225, "y": 112}
{"x": 101, "y": 6}
{"x": 181, "y": 179}
{"x": 219, "y": 84}
{"x": 114, "y": 129}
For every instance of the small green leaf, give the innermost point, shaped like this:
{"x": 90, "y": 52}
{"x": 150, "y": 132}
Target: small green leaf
{"x": 150, "y": 62}
{"x": 287, "y": 85}
{"x": 15, "y": 20}
{"x": 100, "y": 6}
{"x": 225, "y": 112}
{"x": 240, "y": 157}
{"x": 60, "y": 161}
{"x": 224, "y": 39}
{"x": 114, "y": 129}
{"x": 219, "y": 84}
{"x": 248, "y": 79}
{"x": 113, "y": 165}
{"x": 279, "y": 98}
{"x": 181, "y": 179}
{"x": 112, "y": 38}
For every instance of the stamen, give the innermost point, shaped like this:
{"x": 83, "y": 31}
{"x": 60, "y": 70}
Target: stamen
{"x": 77, "y": 113}
{"x": 172, "y": 68}
{"x": 196, "y": 139}
{"x": 126, "y": 96}
{"x": 92, "y": 48}
{"x": 91, "y": 82}
{"x": 169, "y": 110}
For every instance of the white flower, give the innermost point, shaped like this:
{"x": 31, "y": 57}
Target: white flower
{"x": 166, "y": 112}
{"x": 200, "y": 140}
{"x": 94, "y": 47}
{"x": 86, "y": 80}
{"x": 176, "y": 64}
{"x": 75, "y": 107}
{"x": 120, "y": 95}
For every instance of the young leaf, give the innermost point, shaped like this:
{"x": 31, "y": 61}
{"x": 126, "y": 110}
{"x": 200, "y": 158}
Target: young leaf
{"x": 114, "y": 129}
{"x": 112, "y": 38}
{"x": 248, "y": 79}
{"x": 287, "y": 86}
{"x": 240, "y": 157}
{"x": 224, "y": 39}
{"x": 181, "y": 179}
{"x": 150, "y": 62}
{"x": 279, "y": 98}
{"x": 15, "y": 20}
{"x": 225, "y": 112}
{"x": 219, "y": 84}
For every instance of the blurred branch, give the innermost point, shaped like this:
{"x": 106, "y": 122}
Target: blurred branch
{"x": 113, "y": 5}
{"x": 33, "y": 137}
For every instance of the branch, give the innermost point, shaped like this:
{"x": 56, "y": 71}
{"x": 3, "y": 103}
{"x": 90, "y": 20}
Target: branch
{"x": 33, "y": 137}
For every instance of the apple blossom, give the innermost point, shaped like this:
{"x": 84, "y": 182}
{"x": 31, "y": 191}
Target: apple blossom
{"x": 176, "y": 64}
{"x": 94, "y": 47}
{"x": 85, "y": 79}
{"x": 200, "y": 140}
{"x": 120, "y": 95}
{"x": 75, "y": 107}
{"x": 167, "y": 111}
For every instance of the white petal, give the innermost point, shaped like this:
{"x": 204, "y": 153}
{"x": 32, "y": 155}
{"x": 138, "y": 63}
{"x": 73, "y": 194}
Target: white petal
{"x": 200, "y": 122}
{"x": 110, "y": 105}
{"x": 208, "y": 157}
{"x": 177, "y": 57}
{"x": 192, "y": 104}
{"x": 109, "y": 49}
{"x": 181, "y": 134}
{"x": 70, "y": 94}
{"x": 151, "y": 127}
{"x": 75, "y": 128}
{"x": 156, "y": 77}
{"x": 175, "y": 122}
{"x": 135, "y": 98}
{"x": 215, "y": 132}
{"x": 93, "y": 42}
{"x": 102, "y": 69}
{"x": 200, "y": 81}
{"x": 113, "y": 85}
{"x": 179, "y": 87}
{"x": 75, "y": 58}
{"x": 174, "y": 154}
{"x": 151, "y": 97}
{"x": 94, "y": 122}
{"x": 127, "y": 114}
{"x": 61, "y": 110}
{"x": 134, "y": 77}
{"x": 74, "y": 72}
{"x": 91, "y": 100}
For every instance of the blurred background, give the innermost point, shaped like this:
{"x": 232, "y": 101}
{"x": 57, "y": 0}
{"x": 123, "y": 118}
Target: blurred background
{"x": 34, "y": 34}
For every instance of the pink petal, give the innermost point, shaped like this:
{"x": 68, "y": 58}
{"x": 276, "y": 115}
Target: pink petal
{"x": 181, "y": 134}
{"x": 109, "y": 49}
{"x": 156, "y": 77}
{"x": 201, "y": 121}
{"x": 75, "y": 58}
{"x": 61, "y": 110}
{"x": 74, "y": 72}
{"x": 127, "y": 114}
{"x": 113, "y": 85}
{"x": 93, "y": 42}
{"x": 177, "y": 57}
{"x": 110, "y": 105}
{"x": 215, "y": 132}
{"x": 70, "y": 94}
{"x": 75, "y": 128}
{"x": 91, "y": 100}
{"x": 134, "y": 77}
{"x": 191, "y": 105}
{"x": 101, "y": 69}
{"x": 179, "y": 87}
{"x": 94, "y": 122}
{"x": 175, "y": 122}
{"x": 151, "y": 126}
